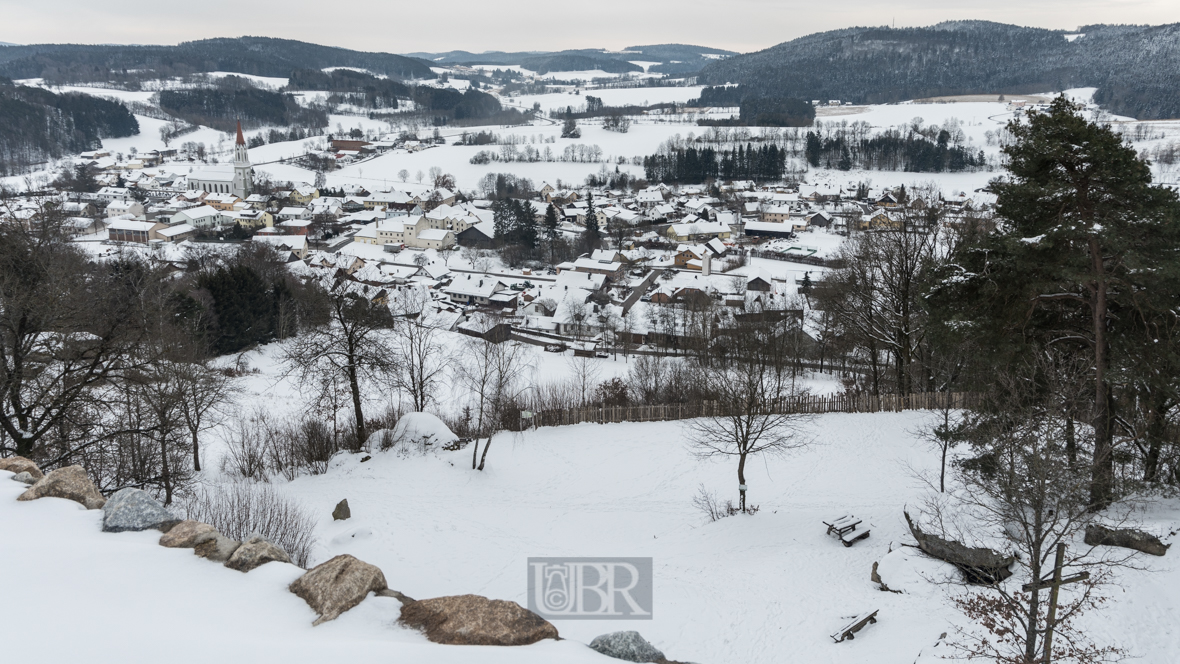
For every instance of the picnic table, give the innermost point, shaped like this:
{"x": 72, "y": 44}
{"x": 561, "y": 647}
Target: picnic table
{"x": 844, "y": 528}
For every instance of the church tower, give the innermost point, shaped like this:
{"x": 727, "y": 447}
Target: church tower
{"x": 243, "y": 172}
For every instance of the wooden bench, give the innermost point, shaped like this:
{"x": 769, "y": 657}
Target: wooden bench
{"x": 858, "y": 623}
{"x": 844, "y": 528}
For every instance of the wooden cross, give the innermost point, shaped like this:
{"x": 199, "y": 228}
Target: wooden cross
{"x": 1054, "y": 583}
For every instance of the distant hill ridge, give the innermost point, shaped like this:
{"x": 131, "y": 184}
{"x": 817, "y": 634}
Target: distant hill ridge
{"x": 1135, "y": 68}
{"x": 257, "y": 56}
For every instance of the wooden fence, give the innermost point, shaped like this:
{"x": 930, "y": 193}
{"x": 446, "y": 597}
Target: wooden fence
{"x": 811, "y": 403}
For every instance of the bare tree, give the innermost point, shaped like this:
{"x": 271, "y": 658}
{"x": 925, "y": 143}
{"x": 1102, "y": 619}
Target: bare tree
{"x": 1021, "y": 485}
{"x": 422, "y": 357}
{"x": 494, "y": 374}
{"x": 355, "y": 344}
{"x": 70, "y": 330}
{"x": 746, "y": 415}
{"x": 584, "y": 371}
{"x": 204, "y": 391}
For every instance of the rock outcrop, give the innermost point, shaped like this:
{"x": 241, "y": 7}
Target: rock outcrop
{"x": 476, "y": 621}
{"x": 1099, "y": 535}
{"x": 21, "y": 465}
{"x": 628, "y": 646}
{"x": 134, "y": 510}
{"x": 978, "y": 564}
{"x": 341, "y": 513}
{"x": 70, "y": 483}
{"x": 256, "y": 552}
{"x": 333, "y": 587}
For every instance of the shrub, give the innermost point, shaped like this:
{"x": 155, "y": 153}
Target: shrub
{"x": 241, "y": 509}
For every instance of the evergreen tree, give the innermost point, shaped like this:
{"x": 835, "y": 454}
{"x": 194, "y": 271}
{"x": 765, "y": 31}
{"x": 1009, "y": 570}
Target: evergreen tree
{"x": 502, "y": 220}
{"x": 243, "y": 305}
{"x": 592, "y": 236}
{"x": 551, "y": 223}
{"x": 1084, "y": 260}
{"x": 526, "y": 224}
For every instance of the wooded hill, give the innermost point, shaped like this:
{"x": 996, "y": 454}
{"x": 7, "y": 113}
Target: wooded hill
{"x": 1135, "y": 68}
{"x": 37, "y": 125}
{"x": 258, "y": 56}
{"x": 674, "y": 59}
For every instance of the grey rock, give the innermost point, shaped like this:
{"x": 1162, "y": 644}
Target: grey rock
{"x": 188, "y": 535}
{"x": 134, "y": 510}
{"x": 628, "y": 646}
{"x": 333, "y": 587}
{"x": 217, "y": 548}
{"x": 70, "y": 483}
{"x": 1099, "y": 535}
{"x": 25, "y": 478}
{"x": 21, "y": 465}
{"x": 341, "y": 513}
{"x": 256, "y": 552}
{"x": 473, "y": 620}
{"x": 978, "y": 564}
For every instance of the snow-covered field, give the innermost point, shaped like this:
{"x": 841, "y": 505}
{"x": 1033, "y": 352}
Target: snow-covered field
{"x": 766, "y": 588}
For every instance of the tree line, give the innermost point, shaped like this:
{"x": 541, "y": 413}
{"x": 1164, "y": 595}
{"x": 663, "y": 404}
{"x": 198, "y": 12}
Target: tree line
{"x": 673, "y": 165}
{"x": 37, "y": 125}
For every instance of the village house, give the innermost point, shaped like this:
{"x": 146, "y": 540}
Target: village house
{"x": 129, "y": 230}
{"x": 693, "y": 230}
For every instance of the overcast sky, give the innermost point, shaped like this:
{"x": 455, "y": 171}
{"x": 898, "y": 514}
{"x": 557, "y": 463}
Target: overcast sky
{"x": 511, "y": 25}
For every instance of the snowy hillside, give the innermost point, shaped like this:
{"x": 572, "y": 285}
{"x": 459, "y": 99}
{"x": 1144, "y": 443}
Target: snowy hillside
{"x": 765, "y": 588}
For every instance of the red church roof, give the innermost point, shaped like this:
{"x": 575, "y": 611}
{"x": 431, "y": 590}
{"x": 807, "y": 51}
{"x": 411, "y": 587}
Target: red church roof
{"x": 241, "y": 139}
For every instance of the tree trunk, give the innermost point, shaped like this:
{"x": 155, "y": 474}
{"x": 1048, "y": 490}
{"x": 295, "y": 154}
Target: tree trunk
{"x": 1071, "y": 440}
{"x": 166, "y": 471}
{"x": 742, "y": 480}
{"x": 483, "y": 457}
{"x": 196, "y": 451}
{"x": 1102, "y": 478}
{"x": 354, "y": 385}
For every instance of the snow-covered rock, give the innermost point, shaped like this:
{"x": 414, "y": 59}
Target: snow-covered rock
{"x": 256, "y": 552}
{"x": 473, "y": 620}
{"x": 422, "y": 429}
{"x": 906, "y": 569}
{"x": 629, "y": 646}
{"x": 135, "y": 510}
{"x": 188, "y": 535}
{"x": 336, "y": 586}
{"x": 24, "y": 478}
{"x": 20, "y": 465}
{"x": 70, "y": 483}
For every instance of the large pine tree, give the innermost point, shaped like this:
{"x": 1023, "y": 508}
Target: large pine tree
{"x": 1084, "y": 259}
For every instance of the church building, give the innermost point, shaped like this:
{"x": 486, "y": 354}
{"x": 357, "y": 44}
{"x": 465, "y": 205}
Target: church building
{"x": 236, "y": 179}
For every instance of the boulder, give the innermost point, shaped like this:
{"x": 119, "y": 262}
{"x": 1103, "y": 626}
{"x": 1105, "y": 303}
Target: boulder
{"x": 217, "y": 548}
{"x": 341, "y": 513}
{"x": 1099, "y": 535}
{"x": 24, "y": 478}
{"x": 21, "y": 465}
{"x": 628, "y": 646}
{"x": 979, "y": 565}
{"x": 256, "y": 552}
{"x": 187, "y": 535}
{"x": 473, "y": 620}
{"x": 135, "y": 510}
{"x": 333, "y": 587}
{"x": 70, "y": 483}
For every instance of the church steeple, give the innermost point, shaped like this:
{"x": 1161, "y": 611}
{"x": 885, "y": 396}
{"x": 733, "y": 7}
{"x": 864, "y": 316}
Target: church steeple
{"x": 243, "y": 173}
